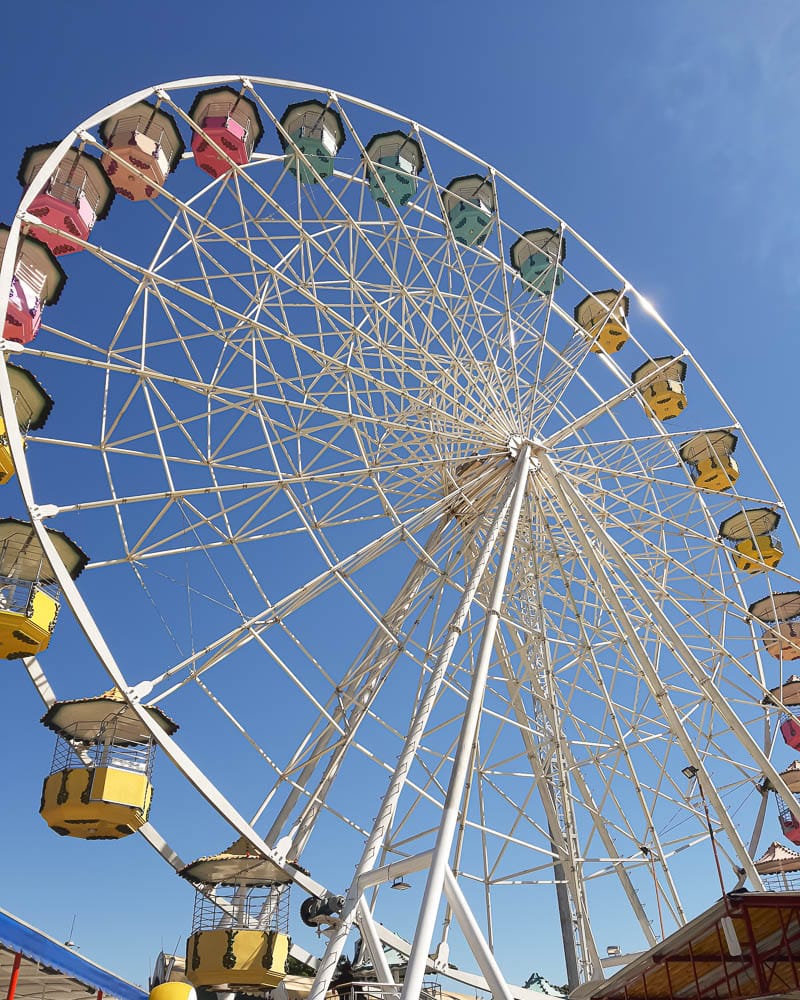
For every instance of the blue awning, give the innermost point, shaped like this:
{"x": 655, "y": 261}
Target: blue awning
{"x": 43, "y": 957}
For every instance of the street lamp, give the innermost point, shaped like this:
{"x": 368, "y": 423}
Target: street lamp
{"x": 726, "y": 922}
{"x": 692, "y": 772}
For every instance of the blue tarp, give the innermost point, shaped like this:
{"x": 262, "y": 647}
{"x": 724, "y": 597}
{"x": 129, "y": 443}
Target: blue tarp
{"x": 19, "y": 936}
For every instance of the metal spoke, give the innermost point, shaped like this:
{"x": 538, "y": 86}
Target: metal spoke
{"x": 303, "y": 415}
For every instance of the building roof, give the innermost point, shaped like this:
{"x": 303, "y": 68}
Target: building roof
{"x": 744, "y": 946}
{"x": 49, "y": 969}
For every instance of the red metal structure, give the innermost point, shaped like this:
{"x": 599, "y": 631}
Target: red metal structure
{"x": 746, "y": 945}
{"x": 14, "y": 978}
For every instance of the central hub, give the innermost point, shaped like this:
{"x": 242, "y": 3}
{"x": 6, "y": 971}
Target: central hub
{"x": 516, "y": 441}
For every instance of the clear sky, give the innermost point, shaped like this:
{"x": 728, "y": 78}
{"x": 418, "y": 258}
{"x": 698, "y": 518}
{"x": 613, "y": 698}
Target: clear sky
{"x": 665, "y": 133}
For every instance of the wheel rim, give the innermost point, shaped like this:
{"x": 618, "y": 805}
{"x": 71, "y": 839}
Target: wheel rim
{"x": 305, "y": 379}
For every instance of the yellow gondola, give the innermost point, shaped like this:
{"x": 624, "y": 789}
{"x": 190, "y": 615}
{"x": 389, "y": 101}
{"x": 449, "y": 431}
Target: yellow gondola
{"x": 241, "y": 939}
{"x": 780, "y": 616}
{"x": 755, "y": 546}
{"x": 660, "y": 382}
{"x": 173, "y": 991}
{"x": 32, "y": 407}
{"x": 604, "y": 317}
{"x": 99, "y": 786}
{"x": 28, "y": 592}
{"x": 709, "y": 456}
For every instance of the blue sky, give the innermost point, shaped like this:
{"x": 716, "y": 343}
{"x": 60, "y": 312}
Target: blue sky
{"x": 666, "y": 134}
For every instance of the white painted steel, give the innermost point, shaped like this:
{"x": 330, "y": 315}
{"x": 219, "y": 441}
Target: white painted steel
{"x": 306, "y": 408}
{"x": 476, "y": 940}
{"x": 423, "y": 933}
{"x": 372, "y": 939}
{"x": 376, "y": 840}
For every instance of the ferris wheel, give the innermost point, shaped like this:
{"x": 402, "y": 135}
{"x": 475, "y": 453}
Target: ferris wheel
{"x": 414, "y": 515}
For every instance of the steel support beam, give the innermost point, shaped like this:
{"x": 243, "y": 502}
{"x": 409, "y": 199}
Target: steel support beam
{"x": 431, "y": 899}
{"x": 579, "y": 516}
{"x": 383, "y": 821}
{"x": 369, "y": 932}
{"x": 359, "y": 692}
{"x": 476, "y": 941}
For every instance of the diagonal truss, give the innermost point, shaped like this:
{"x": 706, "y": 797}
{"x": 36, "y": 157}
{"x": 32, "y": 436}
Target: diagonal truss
{"x": 302, "y": 412}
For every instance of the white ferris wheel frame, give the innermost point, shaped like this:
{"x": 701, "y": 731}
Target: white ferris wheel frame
{"x": 441, "y": 882}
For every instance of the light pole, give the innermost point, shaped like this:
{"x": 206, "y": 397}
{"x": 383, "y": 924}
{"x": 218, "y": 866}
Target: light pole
{"x": 726, "y": 922}
{"x": 691, "y": 772}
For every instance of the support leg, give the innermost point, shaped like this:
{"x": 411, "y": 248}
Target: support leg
{"x": 385, "y": 815}
{"x": 423, "y": 934}
{"x": 474, "y": 938}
